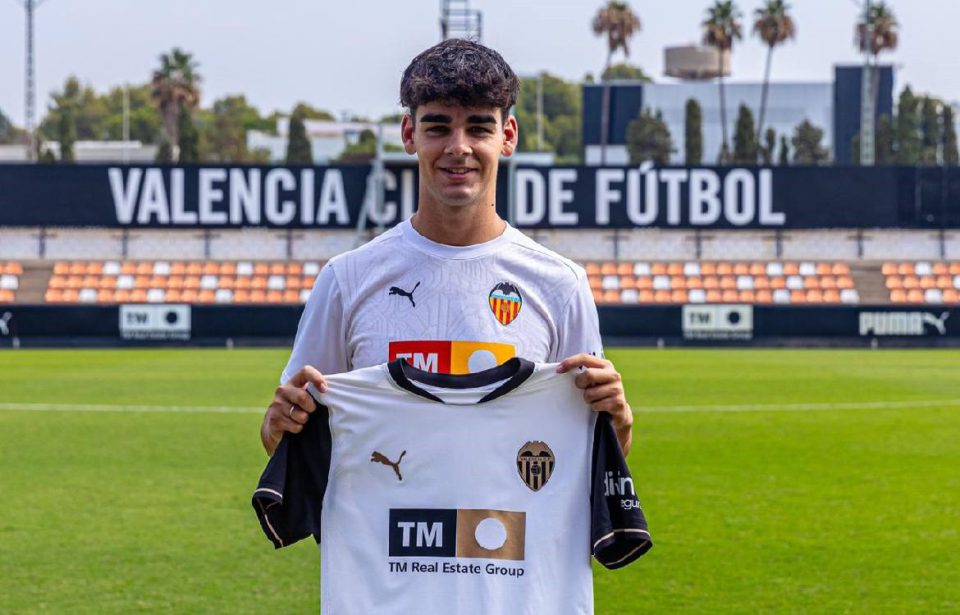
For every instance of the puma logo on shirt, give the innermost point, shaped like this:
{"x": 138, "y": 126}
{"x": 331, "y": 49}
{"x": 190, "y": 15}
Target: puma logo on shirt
{"x": 396, "y": 290}
{"x": 381, "y": 458}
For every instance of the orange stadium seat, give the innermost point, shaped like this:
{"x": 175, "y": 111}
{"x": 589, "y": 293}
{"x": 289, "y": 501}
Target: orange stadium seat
{"x": 291, "y": 296}
{"x": 693, "y": 282}
{"x": 764, "y": 296}
{"x": 261, "y": 269}
{"x": 893, "y": 282}
{"x": 611, "y": 296}
{"x": 791, "y": 269}
{"x": 592, "y": 269}
{"x": 228, "y": 268}
{"x": 915, "y": 295}
{"x": 708, "y": 268}
{"x": 625, "y": 269}
{"x": 951, "y": 296}
{"x": 678, "y": 296}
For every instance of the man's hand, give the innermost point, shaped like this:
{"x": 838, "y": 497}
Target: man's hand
{"x": 603, "y": 390}
{"x": 291, "y": 407}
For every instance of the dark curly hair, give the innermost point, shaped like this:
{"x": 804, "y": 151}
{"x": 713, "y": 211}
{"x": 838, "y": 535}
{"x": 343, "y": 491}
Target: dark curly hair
{"x": 459, "y": 71}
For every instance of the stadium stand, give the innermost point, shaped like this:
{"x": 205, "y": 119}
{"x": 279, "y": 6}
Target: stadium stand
{"x": 241, "y": 282}
{"x": 10, "y": 272}
{"x": 754, "y": 282}
{"x": 639, "y": 282}
{"x": 922, "y": 282}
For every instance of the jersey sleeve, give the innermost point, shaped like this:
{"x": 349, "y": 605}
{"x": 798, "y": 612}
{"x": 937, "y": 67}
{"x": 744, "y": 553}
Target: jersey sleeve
{"x": 289, "y": 498}
{"x": 579, "y": 327}
{"x": 320, "y": 340}
{"x": 618, "y": 528}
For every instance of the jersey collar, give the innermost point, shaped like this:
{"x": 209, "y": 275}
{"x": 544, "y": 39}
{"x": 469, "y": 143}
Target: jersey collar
{"x": 514, "y": 371}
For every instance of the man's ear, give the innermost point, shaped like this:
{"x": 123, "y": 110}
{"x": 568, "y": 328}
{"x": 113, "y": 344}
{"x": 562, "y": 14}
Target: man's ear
{"x": 407, "y": 128}
{"x": 510, "y": 136}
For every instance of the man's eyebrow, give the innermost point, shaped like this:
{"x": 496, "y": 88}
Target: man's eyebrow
{"x": 438, "y": 118}
{"x": 481, "y": 119}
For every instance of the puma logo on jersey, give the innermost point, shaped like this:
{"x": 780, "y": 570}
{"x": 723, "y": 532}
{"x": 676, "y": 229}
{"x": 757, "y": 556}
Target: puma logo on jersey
{"x": 381, "y": 458}
{"x": 4, "y": 327}
{"x": 396, "y": 290}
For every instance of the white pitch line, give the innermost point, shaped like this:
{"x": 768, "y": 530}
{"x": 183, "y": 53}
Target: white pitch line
{"x": 865, "y": 405}
{"x": 17, "y": 407}
{"x": 799, "y": 407}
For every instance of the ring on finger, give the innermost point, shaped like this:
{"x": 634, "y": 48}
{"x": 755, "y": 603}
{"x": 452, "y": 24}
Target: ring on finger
{"x": 290, "y": 411}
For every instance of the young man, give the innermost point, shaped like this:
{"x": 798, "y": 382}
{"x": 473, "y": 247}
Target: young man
{"x": 455, "y": 288}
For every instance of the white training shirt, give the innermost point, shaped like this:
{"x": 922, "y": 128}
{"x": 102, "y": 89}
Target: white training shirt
{"x": 445, "y": 308}
{"x": 499, "y": 515}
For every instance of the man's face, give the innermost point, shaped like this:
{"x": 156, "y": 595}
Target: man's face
{"x": 459, "y": 149}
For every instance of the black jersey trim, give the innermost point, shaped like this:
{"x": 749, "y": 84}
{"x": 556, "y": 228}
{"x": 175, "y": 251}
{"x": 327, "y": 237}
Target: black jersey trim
{"x": 515, "y": 371}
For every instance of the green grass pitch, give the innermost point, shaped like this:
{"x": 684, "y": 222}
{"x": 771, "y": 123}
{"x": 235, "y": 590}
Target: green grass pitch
{"x": 774, "y": 481}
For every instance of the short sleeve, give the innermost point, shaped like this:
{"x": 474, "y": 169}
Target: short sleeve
{"x": 618, "y": 528}
{"x": 289, "y": 498}
{"x": 320, "y": 340}
{"x": 579, "y": 327}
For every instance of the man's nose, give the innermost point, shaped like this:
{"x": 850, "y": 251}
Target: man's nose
{"x": 458, "y": 145}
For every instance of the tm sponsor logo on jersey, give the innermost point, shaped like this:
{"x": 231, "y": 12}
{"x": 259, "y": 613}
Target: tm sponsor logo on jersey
{"x": 615, "y": 485}
{"x": 903, "y": 323}
{"x": 505, "y": 302}
{"x": 451, "y": 357}
{"x": 457, "y": 533}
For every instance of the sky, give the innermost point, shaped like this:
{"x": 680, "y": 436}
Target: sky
{"x": 347, "y": 57}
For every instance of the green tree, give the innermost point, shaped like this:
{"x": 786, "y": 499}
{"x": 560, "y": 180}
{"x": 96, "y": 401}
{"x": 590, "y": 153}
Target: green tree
{"x": 885, "y": 141}
{"x": 775, "y": 26}
{"x": 67, "y": 133}
{"x": 783, "y": 159}
{"x": 807, "y": 148}
{"x": 9, "y": 133}
{"x": 561, "y": 116}
{"x": 226, "y": 128}
{"x": 307, "y": 112}
{"x": 625, "y": 72}
{"x": 189, "y": 143}
{"x": 745, "y": 138}
{"x": 144, "y": 118}
{"x": 876, "y": 32}
{"x": 298, "y": 145}
{"x": 721, "y": 29}
{"x": 364, "y": 150}
{"x": 648, "y": 138}
{"x": 930, "y": 131}
{"x": 908, "y": 128}
{"x": 768, "y": 147}
{"x": 164, "y": 152}
{"x": 175, "y": 86}
{"x": 693, "y": 133}
{"x": 950, "y": 155}
{"x": 88, "y": 110}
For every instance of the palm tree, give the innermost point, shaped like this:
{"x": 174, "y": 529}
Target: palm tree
{"x": 877, "y": 31}
{"x": 774, "y": 25}
{"x": 720, "y": 29}
{"x": 619, "y": 23}
{"x": 176, "y": 86}
{"x": 884, "y": 25}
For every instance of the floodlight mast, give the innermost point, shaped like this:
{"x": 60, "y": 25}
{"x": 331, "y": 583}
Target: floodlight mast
{"x": 458, "y": 20}
{"x": 30, "y": 96}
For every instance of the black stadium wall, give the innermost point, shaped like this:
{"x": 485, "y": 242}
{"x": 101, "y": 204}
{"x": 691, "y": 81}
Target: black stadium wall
{"x": 159, "y": 324}
{"x": 559, "y": 197}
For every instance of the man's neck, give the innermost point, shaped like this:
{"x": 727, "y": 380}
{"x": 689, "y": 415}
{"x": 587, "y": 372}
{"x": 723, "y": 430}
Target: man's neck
{"x": 459, "y": 226}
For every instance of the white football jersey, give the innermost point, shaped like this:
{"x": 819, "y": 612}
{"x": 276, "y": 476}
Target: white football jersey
{"x": 445, "y": 309}
{"x": 433, "y": 493}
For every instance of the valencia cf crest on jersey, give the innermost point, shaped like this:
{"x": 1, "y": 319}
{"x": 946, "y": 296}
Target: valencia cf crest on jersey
{"x": 535, "y": 463}
{"x": 505, "y": 302}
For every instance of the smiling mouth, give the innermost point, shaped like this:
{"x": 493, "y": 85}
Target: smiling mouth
{"x": 457, "y": 171}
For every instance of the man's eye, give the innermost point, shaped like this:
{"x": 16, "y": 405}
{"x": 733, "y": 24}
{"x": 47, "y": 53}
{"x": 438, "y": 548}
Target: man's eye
{"x": 437, "y": 129}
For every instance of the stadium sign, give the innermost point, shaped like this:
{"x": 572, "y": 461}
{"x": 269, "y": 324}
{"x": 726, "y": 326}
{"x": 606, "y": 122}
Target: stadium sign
{"x": 903, "y": 323}
{"x": 649, "y": 197}
{"x": 335, "y": 197}
{"x": 155, "y": 322}
{"x": 717, "y": 322}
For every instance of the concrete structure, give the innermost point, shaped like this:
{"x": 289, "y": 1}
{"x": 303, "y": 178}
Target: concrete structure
{"x": 695, "y": 63}
{"x": 832, "y": 106}
{"x": 90, "y": 152}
